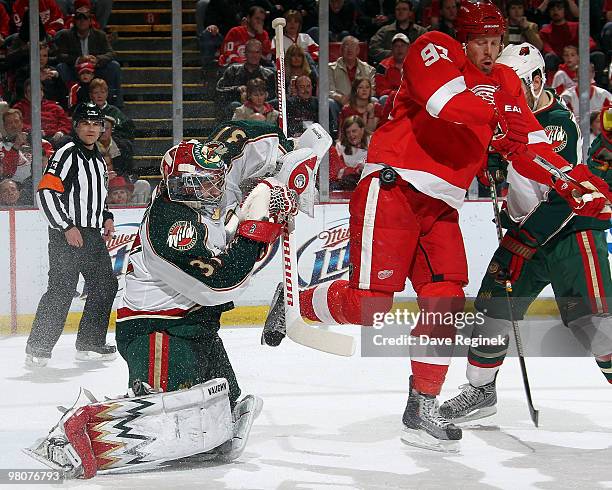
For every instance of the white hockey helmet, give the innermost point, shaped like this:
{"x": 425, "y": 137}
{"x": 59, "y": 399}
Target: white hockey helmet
{"x": 526, "y": 60}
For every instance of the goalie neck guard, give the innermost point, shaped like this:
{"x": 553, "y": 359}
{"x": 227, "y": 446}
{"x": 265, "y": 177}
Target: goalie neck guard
{"x": 194, "y": 174}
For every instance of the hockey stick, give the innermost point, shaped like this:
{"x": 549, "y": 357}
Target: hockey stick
{"x": 297, "y": 329}
{"x": 561, "y": 175}
{"x": 534, "y": 414}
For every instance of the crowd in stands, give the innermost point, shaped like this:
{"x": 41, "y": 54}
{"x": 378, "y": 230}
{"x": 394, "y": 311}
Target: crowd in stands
{"x": 77, "y": 65}
{"x": 369, "y": 40}
{"x": 368, "y": 43}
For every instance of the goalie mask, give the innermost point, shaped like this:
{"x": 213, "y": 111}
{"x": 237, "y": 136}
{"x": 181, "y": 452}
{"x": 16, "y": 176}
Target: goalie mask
{"x": 527, "y": 62}
{"x": 194, "y": 174}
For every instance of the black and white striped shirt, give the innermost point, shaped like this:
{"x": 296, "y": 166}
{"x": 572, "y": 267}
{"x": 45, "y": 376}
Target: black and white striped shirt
{"x": 73, "y": 189}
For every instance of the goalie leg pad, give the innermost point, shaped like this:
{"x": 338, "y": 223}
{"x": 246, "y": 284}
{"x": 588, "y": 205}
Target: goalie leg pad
{"x": 145, "y": 431}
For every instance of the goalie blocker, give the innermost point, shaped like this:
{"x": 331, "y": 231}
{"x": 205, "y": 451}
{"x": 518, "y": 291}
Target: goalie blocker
{"x": 135, "y": 433}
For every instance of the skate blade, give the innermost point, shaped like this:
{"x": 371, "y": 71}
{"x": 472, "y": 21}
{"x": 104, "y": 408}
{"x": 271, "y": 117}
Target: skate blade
{"x": 480, "y": 413}
{"x": 42, "y": 459}
{"x": 239, "y": 444}
{"x": 94, "y": 356}
{"x": 421, "y": 439}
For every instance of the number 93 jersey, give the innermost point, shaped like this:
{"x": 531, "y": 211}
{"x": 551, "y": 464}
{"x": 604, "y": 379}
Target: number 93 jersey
{"x": 441, "y": 123}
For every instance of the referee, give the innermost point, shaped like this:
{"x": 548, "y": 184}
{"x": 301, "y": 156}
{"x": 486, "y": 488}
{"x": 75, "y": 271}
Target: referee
{"x": 72, "y": 197}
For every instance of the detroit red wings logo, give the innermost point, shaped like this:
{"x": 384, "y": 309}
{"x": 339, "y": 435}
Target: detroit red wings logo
{"x": 182, "y": 236}
{"x": 485, "y": 92}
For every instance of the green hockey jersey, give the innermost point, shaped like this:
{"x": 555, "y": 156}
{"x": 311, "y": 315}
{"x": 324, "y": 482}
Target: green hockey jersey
{"x": 536, "y": 207}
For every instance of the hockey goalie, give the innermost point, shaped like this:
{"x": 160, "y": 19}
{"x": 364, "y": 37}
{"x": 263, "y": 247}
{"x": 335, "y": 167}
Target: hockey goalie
{"x": 195, "y": 252}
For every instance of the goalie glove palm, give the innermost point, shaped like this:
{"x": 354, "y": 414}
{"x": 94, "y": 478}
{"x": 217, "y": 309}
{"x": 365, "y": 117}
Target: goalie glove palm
{"x": 269, "y": 199}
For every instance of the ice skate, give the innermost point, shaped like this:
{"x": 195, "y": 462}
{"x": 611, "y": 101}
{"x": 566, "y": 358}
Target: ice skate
{"x": 36, "y": 358}
{"x": 244, "y": 413}
{"x": 425, "y": 427}
{"x": 275, "y": 329}
{"x": 104, "y": 352}
{"x": 473, "y": 403}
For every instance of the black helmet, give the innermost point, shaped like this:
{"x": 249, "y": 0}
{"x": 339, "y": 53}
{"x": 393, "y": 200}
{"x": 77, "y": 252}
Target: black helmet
{"x": 87, "y": 112}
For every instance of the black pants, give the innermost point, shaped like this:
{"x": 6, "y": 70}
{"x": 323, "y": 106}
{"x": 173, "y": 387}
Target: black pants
{"x": 65, "y": 263}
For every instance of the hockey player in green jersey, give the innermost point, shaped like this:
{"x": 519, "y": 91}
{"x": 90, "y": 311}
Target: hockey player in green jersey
{"x": 194, "y": 253}
{"x": 545, "y": 244}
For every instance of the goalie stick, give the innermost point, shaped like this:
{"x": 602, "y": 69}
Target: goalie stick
{"x": 297, "y": 329}
{"x": 533, "y": 413}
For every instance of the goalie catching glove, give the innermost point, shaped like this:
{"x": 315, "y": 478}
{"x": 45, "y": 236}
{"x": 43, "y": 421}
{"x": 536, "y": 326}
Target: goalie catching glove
{"x": 264, "y": 211}
{"x": 594, "y": 204}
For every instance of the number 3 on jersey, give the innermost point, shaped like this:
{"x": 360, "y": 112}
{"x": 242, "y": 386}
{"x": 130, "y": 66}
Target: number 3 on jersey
{"x": 432, "y": 53}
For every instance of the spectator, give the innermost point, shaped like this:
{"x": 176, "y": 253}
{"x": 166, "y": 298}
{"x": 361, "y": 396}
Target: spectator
{"x": 348, "y": 156}
{"x": 595, "y": 126}
{"x": 120, "y": 191}
{"x": 293, "y": 35}
{"x": 102, "y": 9}
{"x": 598, "y": 97}
{"x": 380, "y": 44}
{"x": 50, "y": 15}
{"x": 54, "y": 120}
{"x": 123, "y": 126}
{"x": 234, "y": 43}
{"x": 54, "y": 87}
{"x": 117, "y": 154}
{"x": 15, "y": 148}
{"x": 256, "y": 108}
{"x": 567, "y": 74}
{"x": 5, "y": 23}
{"x": 374, "y": 15}
{"x": 82, "y": 7}
{"x": 82, "y": 42}
{"x": 342, "y": 72}
{"x": 560, "y": 33}
{"x": 389, "y": 70}
{"x": 10, "y": 194}
{"x": 231, "y": 87}
{"x": 214, "y": 19}
{"x": 297, "y": 65}
{"x": 446, "y": 21}
{"x": 78, "y": 93}
{"x": 18, "y": 47}
{"x": 519, "y": 29}
{"x": 361, "y": 104}
{"x": 303, "y": 108}
{"x": 343, "y": 17}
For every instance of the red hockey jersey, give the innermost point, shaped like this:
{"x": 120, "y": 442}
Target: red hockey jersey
{"x": 234, "y": 44}
{"x": 440, "y": 126}
{"x": 50, "y": 15}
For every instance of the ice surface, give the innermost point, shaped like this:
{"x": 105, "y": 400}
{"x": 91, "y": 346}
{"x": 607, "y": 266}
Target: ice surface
{"x": 333, "y": 423}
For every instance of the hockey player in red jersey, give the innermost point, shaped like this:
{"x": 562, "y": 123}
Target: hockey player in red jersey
{"x": 454, "y": 102}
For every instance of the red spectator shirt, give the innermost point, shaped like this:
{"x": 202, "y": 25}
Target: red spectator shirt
{"x": 388, "y": 77}
{"x": 53, "y": 117}
{"x": 348, "y": 111}
{"x": 441, "y": 122}
{"x": 234, "y": 44}
{"x": 50, "y": 15}
{"x": 5, "y": 21}
{"x": 556, "y": 37}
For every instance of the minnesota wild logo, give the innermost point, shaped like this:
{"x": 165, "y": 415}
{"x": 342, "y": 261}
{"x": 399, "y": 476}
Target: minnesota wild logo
{"x": 558, "y": 137}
